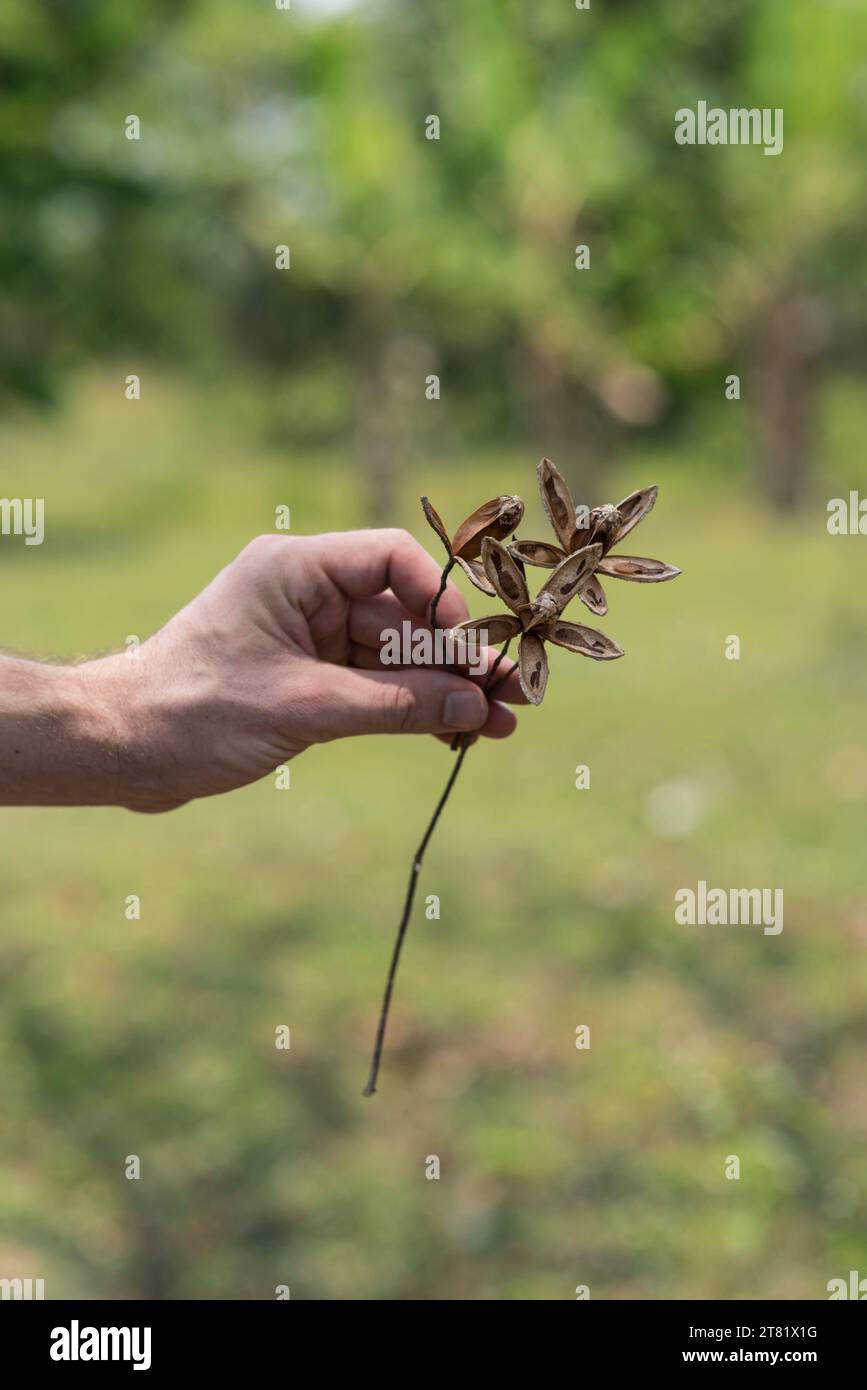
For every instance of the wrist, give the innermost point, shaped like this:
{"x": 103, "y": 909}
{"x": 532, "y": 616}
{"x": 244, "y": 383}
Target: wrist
{"x": 117, "y": 730}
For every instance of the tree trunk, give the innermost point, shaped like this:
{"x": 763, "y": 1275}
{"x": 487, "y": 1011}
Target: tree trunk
{"x": 392, "y": 368}
{"x": 789, "y": 350}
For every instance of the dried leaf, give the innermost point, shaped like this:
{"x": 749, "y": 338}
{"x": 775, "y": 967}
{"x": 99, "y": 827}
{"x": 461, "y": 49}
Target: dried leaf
{"x": 593, "y": 595}
{"x": 633, "y": 509}
{"x": 476, "y": 575}
{"x": 570, "y": 575}
{"x": 638, "y": 568}
{"x": 585, "y": 640}
{"x": 533, "y": 667}
{"x": 435, "y": 521}
{"x": 557, "y": 501}
{"x": 497, "y": 518}
{"x": 537, "y": 553}
{"x": 504, "y": 574}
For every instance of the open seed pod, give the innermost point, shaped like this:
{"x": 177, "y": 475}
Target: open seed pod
{"x": 605, "y": 526}
{"x": 497, "y": 518}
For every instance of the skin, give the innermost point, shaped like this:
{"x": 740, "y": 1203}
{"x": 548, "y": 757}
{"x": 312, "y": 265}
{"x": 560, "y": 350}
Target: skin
{"x": 279, "y": 652}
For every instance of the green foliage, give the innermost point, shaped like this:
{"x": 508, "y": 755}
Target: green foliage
{"x": 274, "y": 127}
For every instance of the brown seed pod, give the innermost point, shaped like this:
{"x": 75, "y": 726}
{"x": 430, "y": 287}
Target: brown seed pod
{"x": 633, "y": 509}
{"x": 533, "y": 667}
{"x": 571, "y": 574}
{"x": 557, "y": 501}
{"x": 436, "y": 522}
{"x": 593, "y": 595}
{"x": 505, "y": 575}
{"x": 602, "y": 526}
{"x": 476, "y": 575}
{"x": 638, "y": 568}
{"x": 575, "y": 637}
{"x": 501, "y": 627}
{"x": 497, "y": 518}
{"x": 605, "y": 526}
{"x": 536, "y": 553}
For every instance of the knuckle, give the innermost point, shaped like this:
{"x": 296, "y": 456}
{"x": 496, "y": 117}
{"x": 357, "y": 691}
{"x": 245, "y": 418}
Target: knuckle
{"x": 262, "y": 547}
{"x": 399, "y": 709}
{"x": 403, "y": 539}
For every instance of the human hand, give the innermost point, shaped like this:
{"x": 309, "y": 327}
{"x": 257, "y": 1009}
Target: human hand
{"x": 279, "y": 652}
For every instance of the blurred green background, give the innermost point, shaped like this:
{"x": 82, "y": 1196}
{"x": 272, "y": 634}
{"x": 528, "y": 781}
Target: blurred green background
{"x": 306, "y": 387}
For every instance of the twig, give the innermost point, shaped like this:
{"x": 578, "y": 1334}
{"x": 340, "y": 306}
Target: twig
{"x": 463, "y": 746}
{"x": 490, "y": 685}
{"x": 404, "y": 922}
{"x": 444, "y": 579}
{"x": 502, "y": 681}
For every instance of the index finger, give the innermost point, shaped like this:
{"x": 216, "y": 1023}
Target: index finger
{"x": 363, "y": 563}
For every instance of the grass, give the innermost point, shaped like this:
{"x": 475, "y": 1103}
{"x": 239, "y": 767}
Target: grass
{"x": 559, "y": 1167}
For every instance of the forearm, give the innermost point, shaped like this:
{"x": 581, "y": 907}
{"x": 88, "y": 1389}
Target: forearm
{"x": 68, "y": 738}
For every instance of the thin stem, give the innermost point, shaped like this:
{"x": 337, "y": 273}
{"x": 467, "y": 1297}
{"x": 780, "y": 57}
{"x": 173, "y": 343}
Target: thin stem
{"x": 404, "y": 923}
{"x": 490, "y": 685}
{"x": 460, "y": 742}
{"x": 502, "y": 681}
{"x": 444, "y": 579}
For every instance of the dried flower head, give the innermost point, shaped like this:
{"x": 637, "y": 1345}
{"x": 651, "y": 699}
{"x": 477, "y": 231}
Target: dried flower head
{"x": 497, "y": 518}
{"x": 605, "y": 525}
{"x": 539, "y": 620}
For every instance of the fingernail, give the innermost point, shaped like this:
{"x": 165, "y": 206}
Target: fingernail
{"x": 464, "y": 709}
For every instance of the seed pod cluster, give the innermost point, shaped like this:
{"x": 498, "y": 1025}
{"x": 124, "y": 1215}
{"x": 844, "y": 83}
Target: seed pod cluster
{"x": 585, "y": 539}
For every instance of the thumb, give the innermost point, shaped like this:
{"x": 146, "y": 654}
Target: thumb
{"x": 345, "y": 701}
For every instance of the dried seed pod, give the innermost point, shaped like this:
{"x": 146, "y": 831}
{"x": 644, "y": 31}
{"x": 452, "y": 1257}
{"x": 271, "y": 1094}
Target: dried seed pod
{"x": 504, "y": 574}
{"x": 603, "y": 526}
{"x": 575, "y": 637}
{"x": 633, "y": 509}
{"x": 593, "y": 595}
{"x": 540, "y": 611}
{"x": 557, "y": 501}
{"x": 571, "y": 574}
{"x": 533, "y": 667}
{"x": 435, "y": 521}
{"x": 536, "y": 553}
{"x": 574, "y": 571}
{"x": 476, "y": 575}
{"x": 637, "y": 567}
{"x": 497, "y": 518}
{"x": 502, "y": 627}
